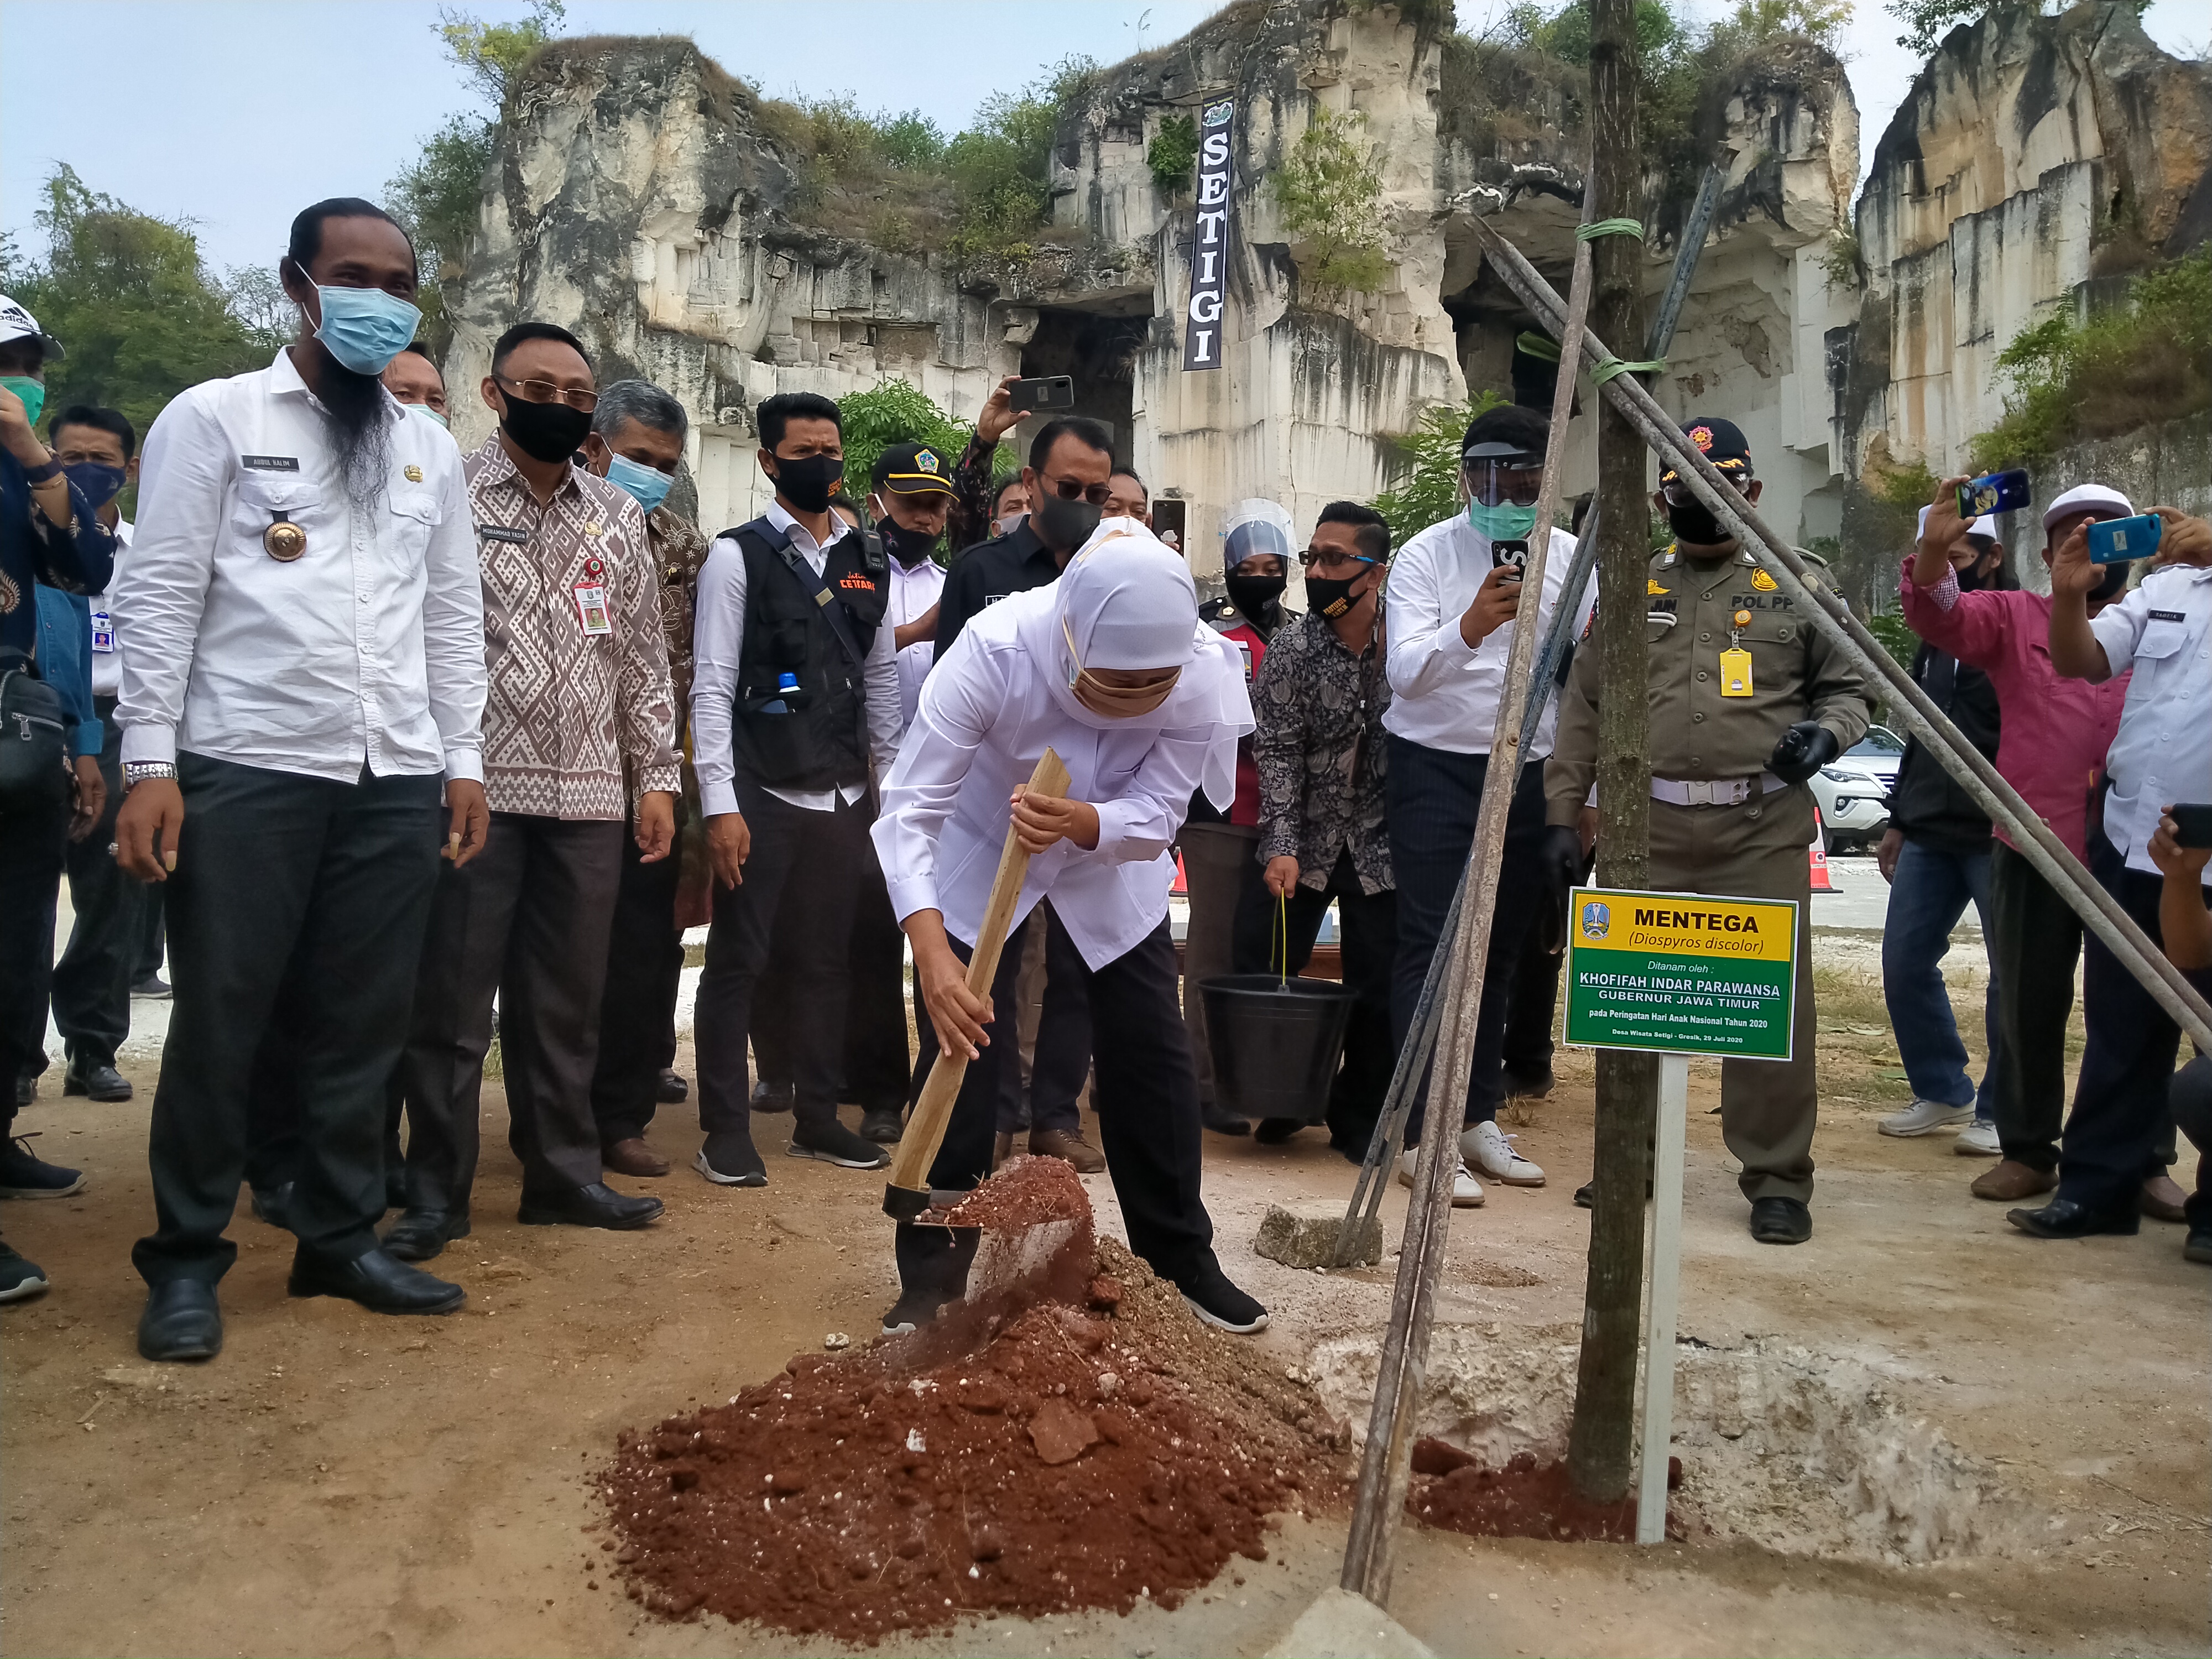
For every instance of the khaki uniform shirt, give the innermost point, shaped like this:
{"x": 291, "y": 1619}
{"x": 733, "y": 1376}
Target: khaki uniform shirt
{"x": 1796, "y": 674}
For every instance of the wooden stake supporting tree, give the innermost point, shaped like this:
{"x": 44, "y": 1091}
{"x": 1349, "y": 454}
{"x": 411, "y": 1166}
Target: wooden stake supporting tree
{"x": 1600, "y": 1447}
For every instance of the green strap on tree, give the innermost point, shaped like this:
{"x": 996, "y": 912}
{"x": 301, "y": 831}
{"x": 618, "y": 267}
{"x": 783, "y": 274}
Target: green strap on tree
{"x": 1595, "y": 228}
{"x": 1612, "y": 366}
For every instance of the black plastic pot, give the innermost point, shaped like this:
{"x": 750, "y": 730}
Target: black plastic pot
{"x": 1275, "y": 1044}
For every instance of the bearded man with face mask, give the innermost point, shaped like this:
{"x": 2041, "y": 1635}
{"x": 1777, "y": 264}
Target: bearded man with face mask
{"x": 304, "y": 677}
{"x": 1111, "y": 668}
{"x": 1748, "y": 699}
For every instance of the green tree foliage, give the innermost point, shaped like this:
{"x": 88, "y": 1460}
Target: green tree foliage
{"x": 1002, "y": 167}
{"x": 1330, "y": 192}
{"x": 1428, "y": 458}
{"x": 895, "y": 412}
{"x": 438, "y": 195}
{"x": 2148, "y": 359}
{"x": 1173, "y": 154}
{"x": 131, "y": 300}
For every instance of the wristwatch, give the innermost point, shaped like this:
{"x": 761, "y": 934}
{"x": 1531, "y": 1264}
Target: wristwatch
{"x": 137, "y": 772}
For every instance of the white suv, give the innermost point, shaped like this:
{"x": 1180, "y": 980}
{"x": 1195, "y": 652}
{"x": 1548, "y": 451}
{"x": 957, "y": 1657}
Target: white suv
{"x": 1852, "y": 790}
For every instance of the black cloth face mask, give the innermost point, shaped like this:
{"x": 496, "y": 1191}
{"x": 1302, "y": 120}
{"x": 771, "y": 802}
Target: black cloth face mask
{"x": 808, "y": 481}
{"x": 1331, "y": 597}
{"x": 1255, "y": 595}
{"x": 1694, "y": 523}
{"x": 1064, "y": 526}
{"x": 909, "y": 547}
{"x": 544, "y": 432}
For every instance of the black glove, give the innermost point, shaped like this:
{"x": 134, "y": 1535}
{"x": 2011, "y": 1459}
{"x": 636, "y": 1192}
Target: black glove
{"x": 1805, "y": 748}
{"x": 1560, "y": 860}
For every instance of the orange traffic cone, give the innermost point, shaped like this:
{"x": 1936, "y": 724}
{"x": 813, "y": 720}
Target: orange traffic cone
{"x": 1821, "y": 883}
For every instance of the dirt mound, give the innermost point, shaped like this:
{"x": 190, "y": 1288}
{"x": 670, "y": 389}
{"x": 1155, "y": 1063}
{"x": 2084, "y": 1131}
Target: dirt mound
{"x": 1077, "y": 1457}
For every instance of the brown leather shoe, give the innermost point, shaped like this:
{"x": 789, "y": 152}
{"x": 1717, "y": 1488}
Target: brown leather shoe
{"x": 1070, "y": 1145}
{"x": 2011, "y": 1181}
{"x": 633, "y": 1157}
{"x": 2162, "y": 1199}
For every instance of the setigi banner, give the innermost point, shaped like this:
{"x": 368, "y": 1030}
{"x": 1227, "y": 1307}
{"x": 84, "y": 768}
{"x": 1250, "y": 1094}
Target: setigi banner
{"x": 1209, "y": 247}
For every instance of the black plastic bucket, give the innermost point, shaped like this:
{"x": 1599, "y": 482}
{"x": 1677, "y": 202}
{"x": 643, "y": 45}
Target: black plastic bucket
{"x": 1275, "y": 1044}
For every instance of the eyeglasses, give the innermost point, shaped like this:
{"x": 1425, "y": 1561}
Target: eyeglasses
{"x": 1069, "y": 490}
{"x": 1679, "y": 493}
{"x": 544, "y": 391}
{"x": 1494, "y": 485}
{"x": 1330, "y": 562}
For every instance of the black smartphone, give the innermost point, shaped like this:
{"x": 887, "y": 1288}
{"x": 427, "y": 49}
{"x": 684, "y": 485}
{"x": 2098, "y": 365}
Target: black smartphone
{"x": 1047, "y": 392}
{"x": 2192, "y": 824}
{"x": 1998, "y": 492}
{"x": 1514, "y": 553}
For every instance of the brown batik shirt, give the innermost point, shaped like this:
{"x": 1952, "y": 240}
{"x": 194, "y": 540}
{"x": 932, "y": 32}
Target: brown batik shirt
{"x": 1318, "y": 744}
{"x": 568, "y": 711}
{"x": 678, "y": 551}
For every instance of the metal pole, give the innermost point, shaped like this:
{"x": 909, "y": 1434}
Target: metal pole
{"x": 1665, "y": 1283}
{"x": 2100, "y": 912}
{"x": 1385, "y": 1465}
{"x": 1685, "y": 259}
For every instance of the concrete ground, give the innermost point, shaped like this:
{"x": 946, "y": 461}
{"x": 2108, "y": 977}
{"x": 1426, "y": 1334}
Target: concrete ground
{"x": 339, "y": 1482}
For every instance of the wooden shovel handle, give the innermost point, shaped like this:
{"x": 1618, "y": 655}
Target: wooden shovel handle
{"x": 907, "y": 1193}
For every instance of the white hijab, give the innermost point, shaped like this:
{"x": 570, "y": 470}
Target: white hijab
{"x": 1128, "y": 601}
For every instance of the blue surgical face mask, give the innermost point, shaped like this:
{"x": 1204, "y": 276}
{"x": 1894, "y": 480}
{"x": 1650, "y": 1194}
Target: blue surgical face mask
{"x": 649, "y": 484}
{"x": 365, "y": 328}
{"x": 428, "y": 413}
{"x": 97, "y": 482}
{"x": 1502, "y": 523}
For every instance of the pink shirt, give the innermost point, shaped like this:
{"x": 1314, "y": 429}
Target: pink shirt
{"x": 2054, "y": 733}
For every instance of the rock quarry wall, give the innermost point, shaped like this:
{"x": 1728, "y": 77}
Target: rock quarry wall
{"x": 638, "y": 197}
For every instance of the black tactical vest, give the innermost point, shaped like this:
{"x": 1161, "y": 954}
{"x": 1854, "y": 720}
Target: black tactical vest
{"x": 819, "y": 738}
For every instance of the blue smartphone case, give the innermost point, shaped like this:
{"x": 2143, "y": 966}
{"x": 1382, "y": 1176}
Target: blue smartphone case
{"x": 2116, "y": 541}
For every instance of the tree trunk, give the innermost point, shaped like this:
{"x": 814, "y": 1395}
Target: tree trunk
{"x": 1600, "y": 1447}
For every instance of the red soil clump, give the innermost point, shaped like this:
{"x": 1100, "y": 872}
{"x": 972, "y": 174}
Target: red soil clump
{"x": 1452, "y": 1489}
{"x": 1073, "y": 1457}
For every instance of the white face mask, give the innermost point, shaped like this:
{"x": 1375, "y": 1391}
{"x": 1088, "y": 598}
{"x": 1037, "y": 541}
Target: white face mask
{"x": 1007, "y": 525}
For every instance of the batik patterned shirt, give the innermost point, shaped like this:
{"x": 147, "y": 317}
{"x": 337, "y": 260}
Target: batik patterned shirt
{"x": 1318, "y": 745}
{"x": 570, "y": 708}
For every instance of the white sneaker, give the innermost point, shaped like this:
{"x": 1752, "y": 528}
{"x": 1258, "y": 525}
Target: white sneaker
{"x": 1466, "y": 1191}
{"x": 1979, "y": 1139}
{"x": 1925, "y": 1117}
{"x": 1489, "y": 1149}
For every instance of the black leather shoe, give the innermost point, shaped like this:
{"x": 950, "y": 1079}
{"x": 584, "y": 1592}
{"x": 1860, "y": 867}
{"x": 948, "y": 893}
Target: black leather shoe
{"x": 1780, "y": 1221}
{"x": 272, "y": 1205}
{"x": 380, "y": 1282}
{"x": 181, "y": 1321}
{"x": 2198, "y": 1246}
{"x": 668, "y": 1089}
{"x": 883, "y": 1126}
{"x": 596, "y": 1205}
{"x": 419, "y": 1234}
{"x": 2064, "y": 1218}
{"x": 1274, "y": 1130}
{"x": 100, "y": 1081}
{"x": 771, "y": 1097}
{"x": 1221, "y": 1123}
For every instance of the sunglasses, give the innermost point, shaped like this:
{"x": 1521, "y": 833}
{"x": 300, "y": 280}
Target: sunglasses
{"x": 544, "y": 391}
{"x": 1069, "y": 490}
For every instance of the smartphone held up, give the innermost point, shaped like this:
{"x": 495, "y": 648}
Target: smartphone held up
{"x": 1047, "y": 391}
{"x": 1996, "y": 492}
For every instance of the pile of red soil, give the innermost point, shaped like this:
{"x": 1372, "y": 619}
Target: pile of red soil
{"x": 1072, "y": 1457}
{"x": 1451, "y": 1489}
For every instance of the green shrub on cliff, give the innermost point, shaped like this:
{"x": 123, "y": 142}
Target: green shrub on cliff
{"x": 2145, "y": 361}
{"x": 1330, "y": 192}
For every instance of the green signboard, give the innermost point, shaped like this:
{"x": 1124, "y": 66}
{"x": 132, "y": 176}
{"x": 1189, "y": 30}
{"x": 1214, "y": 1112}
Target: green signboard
{"x": 1681, "y": 973}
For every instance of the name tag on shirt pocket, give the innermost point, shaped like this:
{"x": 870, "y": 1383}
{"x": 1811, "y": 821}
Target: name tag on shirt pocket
{"x": 103, "y": 632}
{"x": 2165, "y": 633}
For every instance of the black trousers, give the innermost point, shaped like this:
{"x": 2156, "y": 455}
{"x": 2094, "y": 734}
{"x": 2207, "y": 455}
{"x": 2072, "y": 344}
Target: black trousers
{"x": 329, "y": 883}
{"x": 527, "y": 920}
{"x": 2120, "y": 1133}
{"x": 1147, "y": 1101}
{"x": 93, "y": 979}
{"x": 877, "y": 1061}
{"x": 819, "y": 861}
{"x": 1432, "y": 796}
{"x": 31, "y": 844}
{"x": 1369, "y": 942}
{"x": 637, "y": 1008}
{"x": 2035, "y": 939}
{"x": 2190, "y": 1099}
{"x": 1043, "y": 1090}
{"x": 1528, "y": 1018}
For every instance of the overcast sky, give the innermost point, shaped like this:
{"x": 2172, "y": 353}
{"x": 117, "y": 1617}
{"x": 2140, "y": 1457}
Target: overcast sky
{"x": 236, "y": 114}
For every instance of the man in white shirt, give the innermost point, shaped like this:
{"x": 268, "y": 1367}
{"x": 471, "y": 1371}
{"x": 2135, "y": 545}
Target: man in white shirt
{"x": 2162, "y": 635}
{"x": 1453, "y": 602}
{"x": 794, "y": 700}
{"x": 99, "y": 449}
{"x": 303, "y": 677}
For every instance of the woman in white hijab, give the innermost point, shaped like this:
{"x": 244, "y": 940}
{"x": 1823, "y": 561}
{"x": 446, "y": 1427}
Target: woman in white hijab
{"x": 1111, "y": 668}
